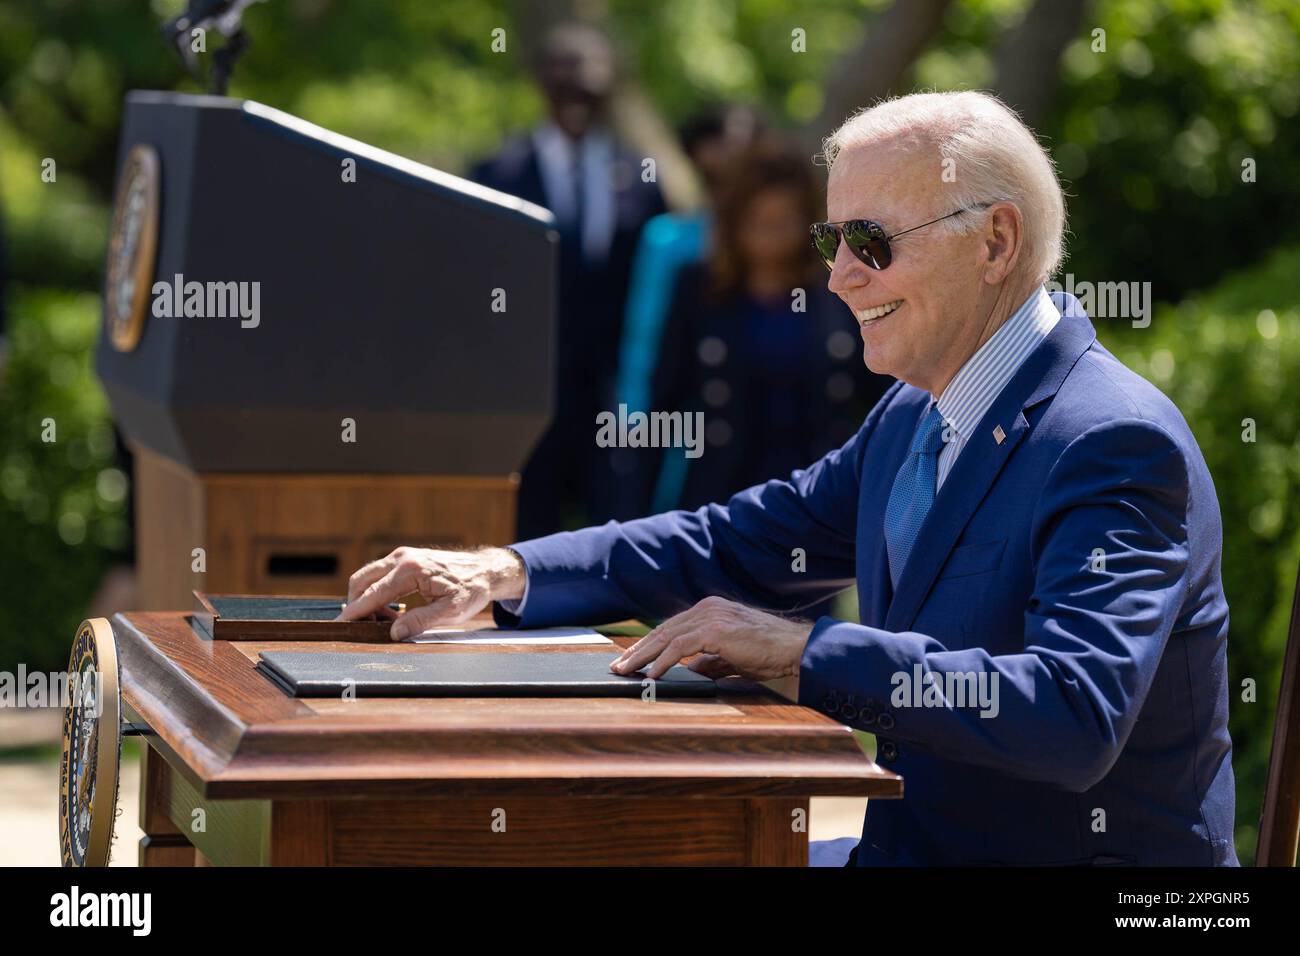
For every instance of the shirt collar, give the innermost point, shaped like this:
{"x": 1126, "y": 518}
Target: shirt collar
{"x": 977, "y": 383}
{"x": 556, "y": 144}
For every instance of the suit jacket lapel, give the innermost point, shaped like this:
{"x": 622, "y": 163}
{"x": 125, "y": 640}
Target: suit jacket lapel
{"x": 875, "y": 608}
{"x": 531, "y": 185}
{"x": 983, "y": 457}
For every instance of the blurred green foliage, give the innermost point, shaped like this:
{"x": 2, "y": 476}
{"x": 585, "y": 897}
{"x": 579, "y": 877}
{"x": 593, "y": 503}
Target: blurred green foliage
{"x": 1228, "y": 359}
{"x": 61, "y": 496}
{"x": 1150, "y": 136}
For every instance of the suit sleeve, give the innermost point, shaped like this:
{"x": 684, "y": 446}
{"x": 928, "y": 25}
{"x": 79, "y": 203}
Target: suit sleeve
{"x": 1094, "y": 631}
{"x": 781, "y": 545}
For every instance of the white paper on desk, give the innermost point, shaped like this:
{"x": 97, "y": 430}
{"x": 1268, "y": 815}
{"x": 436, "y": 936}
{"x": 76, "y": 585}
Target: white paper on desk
{"x": 492, "y": 635}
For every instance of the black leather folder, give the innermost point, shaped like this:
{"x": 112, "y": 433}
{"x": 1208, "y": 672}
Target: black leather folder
{"x": 266, "y": 617}
{"x": 441, "y": 674}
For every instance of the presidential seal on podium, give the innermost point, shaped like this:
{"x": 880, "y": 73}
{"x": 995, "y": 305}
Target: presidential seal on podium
{"x": 133, "y": 247}
{"x": 92, "y": 747}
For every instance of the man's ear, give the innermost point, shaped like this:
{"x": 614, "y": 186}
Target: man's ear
{"x": 1003, "y": 237}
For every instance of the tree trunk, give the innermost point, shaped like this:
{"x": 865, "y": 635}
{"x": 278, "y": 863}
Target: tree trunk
{"x": 876, "y": 68}
{"x": 1029, "y": 58}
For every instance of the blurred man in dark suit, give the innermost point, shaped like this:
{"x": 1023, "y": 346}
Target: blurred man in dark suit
{"x": 574, "y": 166}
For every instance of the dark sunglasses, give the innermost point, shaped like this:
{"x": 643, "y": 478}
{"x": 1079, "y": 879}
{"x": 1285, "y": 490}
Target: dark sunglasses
{"x": 866, "y": 239}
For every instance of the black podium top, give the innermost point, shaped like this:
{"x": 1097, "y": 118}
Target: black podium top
{"x": 360, "y": 312}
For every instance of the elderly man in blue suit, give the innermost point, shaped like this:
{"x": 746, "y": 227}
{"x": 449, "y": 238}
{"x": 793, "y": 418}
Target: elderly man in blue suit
{"x": 1031, "y": 526}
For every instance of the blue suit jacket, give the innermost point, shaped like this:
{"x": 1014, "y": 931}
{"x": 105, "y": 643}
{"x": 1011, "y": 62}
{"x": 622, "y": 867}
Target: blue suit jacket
{"x": 1077, "y": 561}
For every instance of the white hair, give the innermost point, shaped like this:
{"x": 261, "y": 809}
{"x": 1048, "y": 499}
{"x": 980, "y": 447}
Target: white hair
{"x": 994, "y": 156}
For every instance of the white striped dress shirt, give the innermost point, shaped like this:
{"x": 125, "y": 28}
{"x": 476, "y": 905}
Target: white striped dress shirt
{"x": 977, "y": 383}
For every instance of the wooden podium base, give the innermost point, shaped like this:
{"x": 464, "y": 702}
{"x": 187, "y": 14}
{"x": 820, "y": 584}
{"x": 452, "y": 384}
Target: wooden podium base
{"x": 296, "y": 534}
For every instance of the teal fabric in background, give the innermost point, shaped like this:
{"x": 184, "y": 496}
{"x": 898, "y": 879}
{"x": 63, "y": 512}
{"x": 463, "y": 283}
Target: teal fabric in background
{"x": 669, "y": 242}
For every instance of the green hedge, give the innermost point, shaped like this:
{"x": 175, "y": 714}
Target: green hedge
{"x": 62, "y": 503}
{"x": 1229, "y": 357}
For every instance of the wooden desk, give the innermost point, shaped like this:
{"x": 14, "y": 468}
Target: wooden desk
{"x": 251, "y": 776}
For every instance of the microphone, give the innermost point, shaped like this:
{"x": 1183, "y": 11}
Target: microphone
{"x": 221, "y": 16}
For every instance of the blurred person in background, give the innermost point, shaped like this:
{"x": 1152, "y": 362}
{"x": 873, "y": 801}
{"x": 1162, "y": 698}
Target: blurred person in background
{"x": 711, "y": 139}
{"x": 573, "y": 165}
{"x": 778, "y": 387}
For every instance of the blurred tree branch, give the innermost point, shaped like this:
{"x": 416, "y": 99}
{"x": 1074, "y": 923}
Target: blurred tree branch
{"x": 875, "y": 69}
{"x": 1028, "y": 60}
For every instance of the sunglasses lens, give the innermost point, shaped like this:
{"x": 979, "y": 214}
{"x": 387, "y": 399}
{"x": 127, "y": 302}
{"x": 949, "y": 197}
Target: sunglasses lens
{"x": 879, "y": 249}
{"x": 825, "y": 239}
{"x": 867, "y": 241}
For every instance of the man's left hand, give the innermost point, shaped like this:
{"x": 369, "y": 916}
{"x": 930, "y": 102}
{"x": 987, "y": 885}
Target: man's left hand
{"x": 729, "y": 639}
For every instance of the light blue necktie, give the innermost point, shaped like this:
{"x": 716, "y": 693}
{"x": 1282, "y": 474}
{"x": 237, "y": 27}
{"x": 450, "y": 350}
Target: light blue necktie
{"x": 913, "y": 492}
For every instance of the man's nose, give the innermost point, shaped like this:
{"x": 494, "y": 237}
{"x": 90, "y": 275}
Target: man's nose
{"x": 847, "y": 271}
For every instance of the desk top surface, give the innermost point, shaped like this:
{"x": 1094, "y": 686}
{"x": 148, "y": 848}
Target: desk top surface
{"x": 235, "y": 734}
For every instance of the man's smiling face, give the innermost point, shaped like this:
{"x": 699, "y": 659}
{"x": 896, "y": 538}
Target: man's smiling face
{"x": 923, "y": 315}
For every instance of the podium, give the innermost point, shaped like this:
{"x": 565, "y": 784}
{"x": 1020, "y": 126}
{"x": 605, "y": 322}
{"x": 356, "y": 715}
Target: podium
{"x": 283, "y": 781}
{"x": 317, "y": 350}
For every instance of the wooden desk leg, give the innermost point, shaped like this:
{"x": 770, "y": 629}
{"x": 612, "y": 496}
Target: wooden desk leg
{"x": 300, "y": 833}
{"x": 162, "y": 844}
{"x": 778, "y": 832}
{"x": 267, "y": 833}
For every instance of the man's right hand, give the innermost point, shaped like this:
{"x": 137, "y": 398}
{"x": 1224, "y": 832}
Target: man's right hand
{"x": 457, "y": 585}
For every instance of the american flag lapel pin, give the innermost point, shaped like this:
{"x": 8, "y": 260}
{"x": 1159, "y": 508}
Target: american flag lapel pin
{"x": 999, "y": 434}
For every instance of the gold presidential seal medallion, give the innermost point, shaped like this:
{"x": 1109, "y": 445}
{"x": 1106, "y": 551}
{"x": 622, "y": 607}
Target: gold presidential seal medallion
{"x": 92, "y": 747}
{"x": 132, "y": 247}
